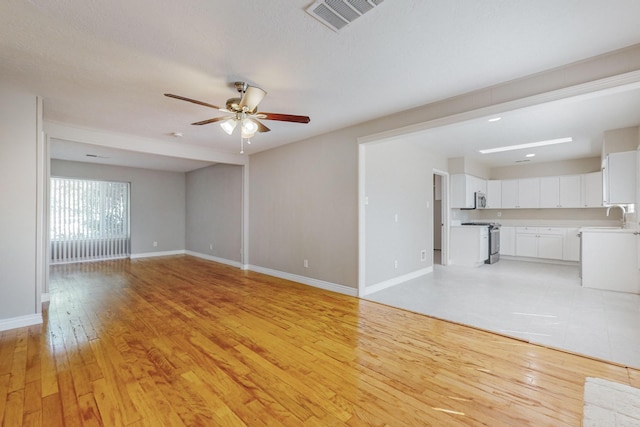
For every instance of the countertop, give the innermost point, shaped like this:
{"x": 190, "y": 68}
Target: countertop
{"x": 607, "y": 230}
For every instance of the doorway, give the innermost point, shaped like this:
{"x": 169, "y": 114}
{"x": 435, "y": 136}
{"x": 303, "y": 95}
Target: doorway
{"x": 440, "y": 218}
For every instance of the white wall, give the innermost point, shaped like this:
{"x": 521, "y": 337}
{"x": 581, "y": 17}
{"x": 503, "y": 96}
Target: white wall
{"x": 18, "y": 186}
{"x": 158, "y": 202}
{"x": 303, "y": 205}
{"x": 620, "y": 140}
{"x": 398, "y": 182}
{"x": 214, "y": 212}
{"x": 564, "y": 167}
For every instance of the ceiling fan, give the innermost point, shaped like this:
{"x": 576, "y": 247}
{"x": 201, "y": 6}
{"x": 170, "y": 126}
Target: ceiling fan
{"x": 243, "y": 110}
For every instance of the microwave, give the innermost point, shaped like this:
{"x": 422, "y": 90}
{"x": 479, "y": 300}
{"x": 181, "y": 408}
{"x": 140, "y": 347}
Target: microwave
{"x": 479, "y": 201}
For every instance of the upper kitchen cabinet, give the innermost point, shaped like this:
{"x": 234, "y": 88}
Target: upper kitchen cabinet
{"x": 463, "y": 190}
{"x": 592, "y": 189}
{"x": 550, "y": 192}
{"x": 494, "y": 194}
{"x": 620, "y": 178}
{"x": 570, "y": 191}
{"x": 561, "y": 191}
{"x": 528, "y": 193}
{"x": 521, "y": 193}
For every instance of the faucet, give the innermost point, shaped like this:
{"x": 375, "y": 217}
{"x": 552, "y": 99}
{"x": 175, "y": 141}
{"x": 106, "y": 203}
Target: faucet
{"x": 624, "y": 212}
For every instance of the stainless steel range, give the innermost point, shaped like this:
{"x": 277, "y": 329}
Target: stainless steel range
{"x": 494, "y": 240}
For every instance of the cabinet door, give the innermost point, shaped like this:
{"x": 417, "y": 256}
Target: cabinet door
{"x": 509, "y": 193}
{"x": 570, "y": 191}
{"x": 508, "y": 241}
{"x": 571, "y": 250}
{"x": 529, "y": 193}
{"x": 459, "y": 191}
{"x": 527, "y": 245}
{"x": 550, "y": 192}
{"x": 592, "y": 189}
{"x": 494, "y": 194}
{"x": 609, "y": 261}
{"x": 622, "y": 177}
{"x": 550, "y": 246}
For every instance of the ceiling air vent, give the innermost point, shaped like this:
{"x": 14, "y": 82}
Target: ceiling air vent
{"x": 337, "y": 14}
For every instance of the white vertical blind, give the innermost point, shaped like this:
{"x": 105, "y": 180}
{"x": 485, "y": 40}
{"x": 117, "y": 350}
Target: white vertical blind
{"x": 89, "y": 220}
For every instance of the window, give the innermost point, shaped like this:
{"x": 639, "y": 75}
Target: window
{"x": 89, "y": 220}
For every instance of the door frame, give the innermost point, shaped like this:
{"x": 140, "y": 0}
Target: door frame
{"x": 444, "y": 206}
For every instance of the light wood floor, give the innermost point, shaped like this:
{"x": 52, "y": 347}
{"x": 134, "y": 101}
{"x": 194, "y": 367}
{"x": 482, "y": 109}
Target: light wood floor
{"x": 181, "y": 341}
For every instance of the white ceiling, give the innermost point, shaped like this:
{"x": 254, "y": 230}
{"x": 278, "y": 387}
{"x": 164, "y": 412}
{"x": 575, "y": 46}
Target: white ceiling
{"x": 106, "y": 65}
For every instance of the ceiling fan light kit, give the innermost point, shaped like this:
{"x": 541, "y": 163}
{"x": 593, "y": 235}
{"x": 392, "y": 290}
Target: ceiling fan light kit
{"x": 244, "y": 111}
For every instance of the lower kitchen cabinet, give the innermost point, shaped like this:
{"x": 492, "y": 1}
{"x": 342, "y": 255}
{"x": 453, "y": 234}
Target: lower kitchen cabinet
{"x": 571, "y": 249}
{"x": 540, "y": 242}
{"x": 469, "y": 245}
{"x": 508, "y": 241}
{"x": 610, "y": 260}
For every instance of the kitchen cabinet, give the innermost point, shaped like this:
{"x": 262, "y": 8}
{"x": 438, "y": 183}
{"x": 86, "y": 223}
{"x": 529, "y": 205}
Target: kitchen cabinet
{"x": 620, "y": 178}
{"x": 469, "y": 245}
{"x": 550, "y": 192}
{"x": 528, "y": 193}
{"x": 561, "y": 191}
{"x": 609, "y": 260}
{"x": 508, "y": 241}
{"x": 570, "y": 191}
{"x": 521, "y": 193}
{"x": 550, "y": 245}
{"x": 540, "y": 242}
{"x": 464, "y": 188}
{"x": 494, "y": 194}
{"x": 592, "y": 189}
{"x": 571, "y": 247}
{"x": 509, "y": 190}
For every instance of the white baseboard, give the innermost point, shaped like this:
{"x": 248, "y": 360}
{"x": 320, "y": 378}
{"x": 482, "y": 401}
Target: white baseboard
{"x": 156, "y": 254}
{"x": 20, "y": 321}
{"x": 216, "y": 259}
{"x": 539, "y": 260}
{"x": 44, "y": 297}
{"x": 396, "y": 281}
{"x": 334, "y": 287}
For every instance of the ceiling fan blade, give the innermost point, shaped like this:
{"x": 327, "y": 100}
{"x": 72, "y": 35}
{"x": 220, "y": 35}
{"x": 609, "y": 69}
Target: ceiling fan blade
{"x": 215, "y": 119}
{"x": 285, "y": 117}
{"x": 261, "y": 127}
{"x": 251, "y": 98}
{"x": 195, "y": 101}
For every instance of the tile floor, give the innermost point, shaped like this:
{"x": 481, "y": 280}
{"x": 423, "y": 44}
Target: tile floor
{"x": 541, "y": 303}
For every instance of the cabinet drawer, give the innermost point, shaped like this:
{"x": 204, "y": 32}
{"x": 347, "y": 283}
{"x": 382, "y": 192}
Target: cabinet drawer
{"x": 550, "y": 230}
{"x": 527, "y": 230}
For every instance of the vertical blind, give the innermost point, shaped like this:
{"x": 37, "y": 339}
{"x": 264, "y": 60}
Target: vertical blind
{"x": 89, "y": 220}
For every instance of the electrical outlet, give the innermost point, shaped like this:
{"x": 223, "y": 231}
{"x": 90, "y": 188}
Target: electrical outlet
{"x": 395, "y": 264}
{"x": 306, "y": 263}
{"x": 423, "y": 255}
{"x": 155, "y": 244}
{"x": 210, "y": 246}
{"x": 499, "y": 214}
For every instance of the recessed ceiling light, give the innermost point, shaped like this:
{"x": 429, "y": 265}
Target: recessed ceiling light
{"x": 528, "y": 145}
{"x": 495, "y": 119}
{"x": 530, "y": 155}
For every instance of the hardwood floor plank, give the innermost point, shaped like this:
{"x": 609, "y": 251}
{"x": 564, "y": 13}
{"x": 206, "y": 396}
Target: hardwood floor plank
{"x": 14, "y": 409}
{"x": 182, "y": 341}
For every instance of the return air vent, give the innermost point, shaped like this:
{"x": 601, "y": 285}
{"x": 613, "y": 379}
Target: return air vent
{"x": 337, "y": 14}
